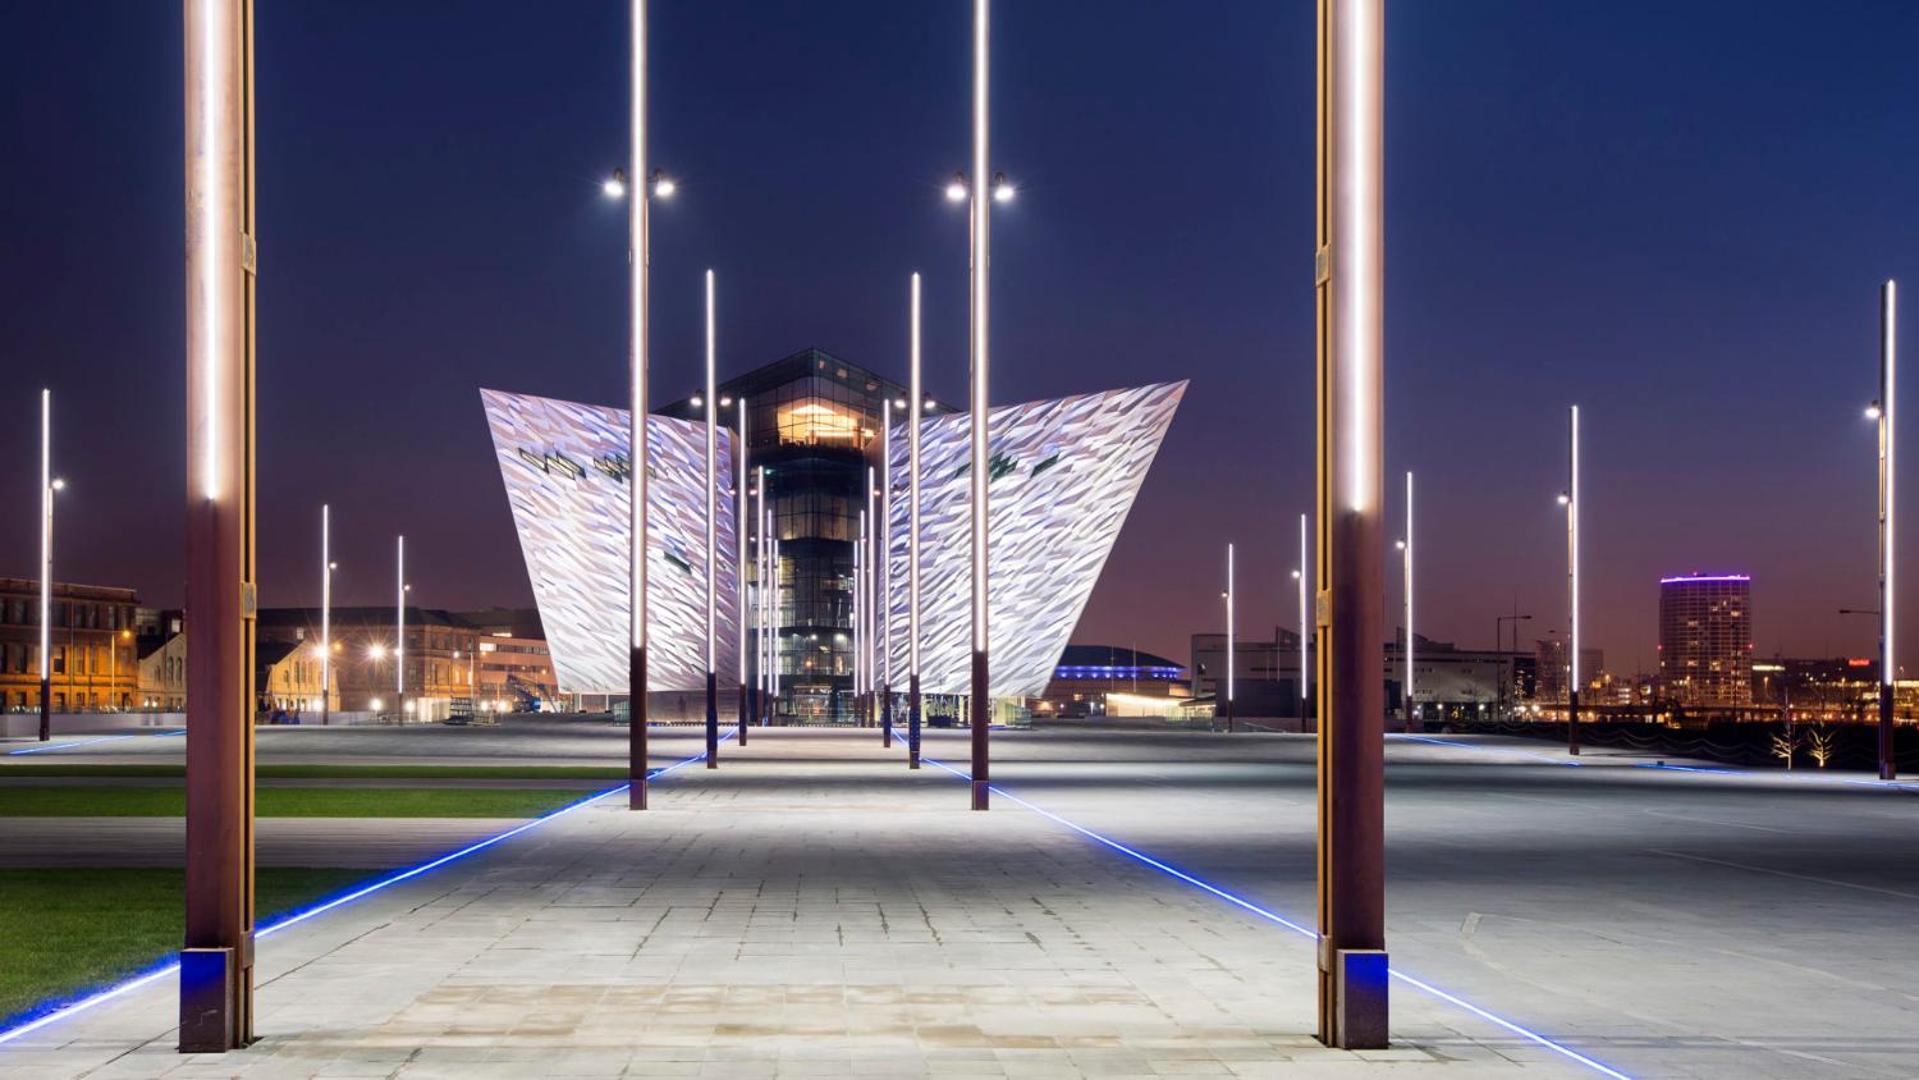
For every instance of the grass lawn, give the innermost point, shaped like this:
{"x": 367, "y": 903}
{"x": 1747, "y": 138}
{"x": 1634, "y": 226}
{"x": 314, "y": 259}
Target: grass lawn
{"x": 323, "y": 772}
{"x": 66, "y": 931}
{"x": 398, "y": 802}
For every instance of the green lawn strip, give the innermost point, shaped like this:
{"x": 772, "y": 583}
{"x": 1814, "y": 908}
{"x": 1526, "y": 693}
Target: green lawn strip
{"x": 393, "y": 802}
{"x": 333, "y": 772}
{"x": 67, "y": 931}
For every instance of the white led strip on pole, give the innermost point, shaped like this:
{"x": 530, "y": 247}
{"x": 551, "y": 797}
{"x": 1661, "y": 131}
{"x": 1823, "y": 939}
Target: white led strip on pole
{"x": 326, "y": 612}
{"x": 915, "y": 402}
{"x": 46, "y": 557}
{"x": 712, "y": 594}
{"x": 399, "y": 629}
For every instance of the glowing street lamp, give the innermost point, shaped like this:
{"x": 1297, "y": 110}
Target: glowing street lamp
{"x": 399, "y": 625}
{"x": 1569, "y": 499}
{"x": 1406, "y": 655}
{"x": 1885, "y": 412}
{"x": 1227, "y": 596}
{"x": 884, "y": 566}
{"x": 639, "y": 260}
{"x": 917, "y": 398}
{"x": 1301, "y": 576}
{"x": 712, "y": 482}
{"x": 740, "y": 529}
{"x": 49, "y": 484}
{"x": 974, "y": 190}
{"x": 326, "y": 613}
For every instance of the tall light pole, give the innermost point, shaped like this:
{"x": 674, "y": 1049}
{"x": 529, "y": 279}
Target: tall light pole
{"x": 1406, "y": 587}
{"x": 1300, "y": 577}
{"x": 326, "y": 613}
{"x": 885, "y": 565}
{"x": 712, "y": 594}
{"x": 914, "y": 405}
{"x": 760, "y": 575}
{"x": 772, "y": 637}
{"x": 399, "y": 629}
{"x": 741, "y": 526}
{"x": 1227, "y": 596}
{"x": 1885, "y": 412}
{"x": 49, "y": 485}
{"x": 216, "y": 963}
{"x": 639, "y": 256}
{"x": 986, "y": 188}
{"x": 1349, "y": 287}
{"x": 1570, "y": 500}
{"x": 859, "y": 620}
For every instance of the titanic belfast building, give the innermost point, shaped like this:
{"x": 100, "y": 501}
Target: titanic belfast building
{"x": 1063, "y": 474}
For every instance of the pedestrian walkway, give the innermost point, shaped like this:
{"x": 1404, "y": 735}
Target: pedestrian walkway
{"x": 811, "y": 908}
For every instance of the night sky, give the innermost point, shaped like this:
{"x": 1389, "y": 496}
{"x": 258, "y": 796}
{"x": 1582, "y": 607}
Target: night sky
{"x": 1676, "y": 215}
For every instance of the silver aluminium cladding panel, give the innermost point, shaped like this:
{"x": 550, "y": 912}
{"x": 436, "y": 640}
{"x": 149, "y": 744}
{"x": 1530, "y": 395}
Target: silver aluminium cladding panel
{"x": 1063, "y": 475}
{"x": 567, "y": 476}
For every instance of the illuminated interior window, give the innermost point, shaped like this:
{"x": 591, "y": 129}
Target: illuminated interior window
{"x": 815, "y": 421}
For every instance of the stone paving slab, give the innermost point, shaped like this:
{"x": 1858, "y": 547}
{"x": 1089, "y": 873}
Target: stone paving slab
{"x": 809, "y": 909}
{"x": 371, "y": 843}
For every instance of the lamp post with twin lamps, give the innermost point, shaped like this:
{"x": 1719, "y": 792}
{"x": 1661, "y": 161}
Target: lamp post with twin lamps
{"x": 1883, "y": 412}
{"x": 975, "y": 192}
{"x": 638, "y": 254}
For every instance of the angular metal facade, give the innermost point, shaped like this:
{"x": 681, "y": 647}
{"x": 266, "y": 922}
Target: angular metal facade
{"x": 1062, "y": 479}
{"x": 567, "y": 478}
{"x": 1064, "y": 475}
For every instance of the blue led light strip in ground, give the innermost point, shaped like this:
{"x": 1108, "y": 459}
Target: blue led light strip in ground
{"x": 1272, "y": 916}
{"x": 51, "y": 747}
{"x": 172, "y": 966}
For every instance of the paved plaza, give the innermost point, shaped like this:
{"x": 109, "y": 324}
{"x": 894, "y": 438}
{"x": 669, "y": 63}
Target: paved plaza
{"x": 812, "y": 907}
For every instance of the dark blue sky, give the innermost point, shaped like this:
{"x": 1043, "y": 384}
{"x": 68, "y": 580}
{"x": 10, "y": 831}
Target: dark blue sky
{"x": 1675, "y": 214}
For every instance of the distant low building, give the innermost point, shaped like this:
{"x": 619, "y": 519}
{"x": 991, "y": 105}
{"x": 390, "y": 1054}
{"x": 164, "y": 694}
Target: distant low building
{"x": 163, "y": 675}
{"x": 1110, "y": 680}
{"x": 516, "y": 669}
{"x": 94, "y": 666}
{"x": 441, "y": 657}
{"x": 1265, "y": 672}
{"x": 286, "y": 678}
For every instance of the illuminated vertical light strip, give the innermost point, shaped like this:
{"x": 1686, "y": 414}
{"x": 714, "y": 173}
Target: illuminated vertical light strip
{"x": 1305, "y": 629}
{"x": 326, "y": 608}
{"x": 916, "y": 403}
{"x": 759, "y": 581}
{"x": 399, "y": 633}
{"x": 1572, "y": 549}
{"x": 1888, "y": 488}
{"x": 773, "y": 642}
{"x": 712, "y": 404}
{"x": 859, "y": 612}
{"x": 871, "y": 596}
{"x": 214, "y": 231}
{"x": 1408, "y": 587}
{"x": 1230, "y": 633}
{"x": 741, "y": 527}
{"x": 1361, "y": 311}
{"x": 1888, "y": 411}
{"x": 980, "y": 713}
{"x": 639, "y": 264}
{"x": 885, "y": 545}
{"x": 712, "y": 450}
{"x": 46, "y": 543}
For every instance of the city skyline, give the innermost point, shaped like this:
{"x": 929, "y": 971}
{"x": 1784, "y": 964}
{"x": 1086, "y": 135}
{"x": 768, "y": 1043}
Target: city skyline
{"x": 1702, "y": 276}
